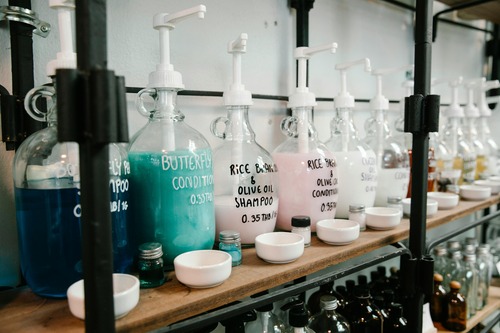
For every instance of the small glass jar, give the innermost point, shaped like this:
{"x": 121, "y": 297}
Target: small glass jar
{"x": 302, "y": 225}
{"x": 396, "y": 202}
{"x": 230, "y": 242}
{"x": 150, "y": 265}
{"x": 357, "y": 213}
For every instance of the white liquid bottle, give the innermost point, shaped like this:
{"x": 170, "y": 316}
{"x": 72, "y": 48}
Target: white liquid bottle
{"x": 483, "y": 127}
{"x": 392, "y": 158}
{"x": 356, "y": 161}
{"x": 245, "y": 176}
{"x": 307, "y": 169}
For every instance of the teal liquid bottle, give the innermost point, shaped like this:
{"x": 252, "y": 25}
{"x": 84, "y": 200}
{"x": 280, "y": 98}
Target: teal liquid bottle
{"x": 171, "y": 183}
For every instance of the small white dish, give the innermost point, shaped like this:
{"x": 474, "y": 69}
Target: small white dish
{"x": 382, "y": 218}
{"x": 432, "y": 207}
{"x": 203, "y": 268}
{"x": 279, "y": 247}
{"x": 125, "y": 295}
{"x": 475, "y": 192}
{"x": 337, "y": 231}
{"x": 494, "y": 178}
{"x": 494, "y": 185}
{"x": 445, "y": 200}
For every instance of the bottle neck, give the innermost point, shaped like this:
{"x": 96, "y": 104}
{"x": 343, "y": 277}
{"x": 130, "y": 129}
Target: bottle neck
{"x": 166, "y": 105}
{"x": 240, "y": 129}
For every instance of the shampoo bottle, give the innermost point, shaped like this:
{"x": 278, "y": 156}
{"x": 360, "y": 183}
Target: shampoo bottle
{"x": 172, "y": 176}
{"x": 356, "y": 160}
{"x": 307, "y": 175}
{"x": 245, "y": 176}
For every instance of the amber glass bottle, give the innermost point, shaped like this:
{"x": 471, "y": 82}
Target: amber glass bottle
{"x": 438, "y": 300}
{"x": 456, "y": 319}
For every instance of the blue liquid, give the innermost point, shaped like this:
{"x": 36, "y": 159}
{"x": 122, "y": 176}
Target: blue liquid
{"x": 171, "y": 201}
{"x": 50, "y": 238}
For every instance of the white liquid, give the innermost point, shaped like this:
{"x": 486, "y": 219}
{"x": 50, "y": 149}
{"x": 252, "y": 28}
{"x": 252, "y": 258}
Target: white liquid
{"x": 357, "y": 174}
{"x": 391, "y": 183}
{"x": 304, "y": 190}
{"x": 248, "y": 221}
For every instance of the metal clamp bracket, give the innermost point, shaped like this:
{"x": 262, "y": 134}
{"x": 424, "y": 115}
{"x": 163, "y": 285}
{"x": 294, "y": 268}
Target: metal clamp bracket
{"x": 422, "y": 113}
{"x": 26, "y": 16}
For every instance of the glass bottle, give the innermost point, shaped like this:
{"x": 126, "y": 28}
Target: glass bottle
{"x": 484, "y": 264}
{"x": 328, "y": 320}
{"x": 395, "y": 202}
{"x": 396, "y": 322}
{"x": 456, "y": 318}
{"x": 363, "y": 315}
{"x": 356, "y": 160}
{"x": 266, "y": 321}
{"x": 230, "y": 242}
{"x": 302, "y": 225}
{"x": 440, "y": 256}
{"x": 314, "y": 301}
{"x": 308, "y": 179}
{"x": 245, "y": 176}
{"x": 357, "y": 213}
{"x": 470, "y": 288}
{"x": 438, "y": 300}
{"x": 150, "y": 265}
{"x": 455, "y": 271}
{"x": 298, "y": 319}
{"x": 172, "y": 182}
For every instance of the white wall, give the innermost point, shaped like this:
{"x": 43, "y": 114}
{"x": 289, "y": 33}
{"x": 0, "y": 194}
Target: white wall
{"x": 362, "y": 28}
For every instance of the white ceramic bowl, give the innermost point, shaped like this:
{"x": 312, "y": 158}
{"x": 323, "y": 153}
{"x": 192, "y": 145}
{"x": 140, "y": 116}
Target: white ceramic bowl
{"x": 445, "y": 200}
{"x": 125, "y": 295}
{"x": 494, "y": 185}
{"x": 475, "y": 192}
{"x": 337, "y": 231}
{"x": 382, "y": 218}
{"x": 203, "y": 268}
{"x": 432, "y": 207}
{"x": 279, "y": 247}
{"x": 494, "y": 178}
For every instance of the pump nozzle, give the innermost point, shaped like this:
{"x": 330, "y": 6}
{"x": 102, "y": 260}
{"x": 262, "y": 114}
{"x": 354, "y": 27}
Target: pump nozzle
{"x": 165, "y": 76}
{"x": 344, "y": 99}
{"x": 237, "y": 95}
{"x": 454, "y": 110}
{"x": 481, "y": 102}
{"x": 66, "y": 58}
{"x": 470, "y": 109}
{"x": 380, "y": 102}
{"x": 302, "y": 96}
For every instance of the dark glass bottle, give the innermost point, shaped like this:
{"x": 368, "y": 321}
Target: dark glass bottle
{"x": 438, "y": 300}
{"x": 328, "y": 320}
{"x": 396, "y": 323}
{"x": 363, "y": 315}
{"x": 456, "y": 319}
{"x": 314, "y": 303}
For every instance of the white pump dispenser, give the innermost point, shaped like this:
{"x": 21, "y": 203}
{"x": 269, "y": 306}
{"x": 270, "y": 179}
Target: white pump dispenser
{"x": 392, "y": 157}
{"x": 307, "y": 169}
{"x": 171, "y": 162}
{"x": 357, "y": 169}
{"x": 464, "y": 158}
{"x": 245, "y": 177}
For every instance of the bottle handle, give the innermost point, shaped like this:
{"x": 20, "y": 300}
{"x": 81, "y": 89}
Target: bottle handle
{"x": 140, "y": 102}
{"x": 215, "y": 123}
{"x": 31, "y": 99}
{"x": 288, "y": 126}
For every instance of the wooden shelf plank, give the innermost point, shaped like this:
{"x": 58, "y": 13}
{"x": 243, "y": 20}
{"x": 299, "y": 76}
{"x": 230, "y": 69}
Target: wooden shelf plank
{"x": 493, "y": 305}
{"x": 489, "y": 11}
{"x": 21, "y": 310}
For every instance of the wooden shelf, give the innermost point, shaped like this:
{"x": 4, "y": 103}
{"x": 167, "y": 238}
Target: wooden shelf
{"x": 21, "y": 310}
{"x": 493, "y": 305}
{"x": 489, "y": 11}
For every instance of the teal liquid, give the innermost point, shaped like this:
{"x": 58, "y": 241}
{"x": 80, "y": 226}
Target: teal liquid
{"x": 171, "y": 201}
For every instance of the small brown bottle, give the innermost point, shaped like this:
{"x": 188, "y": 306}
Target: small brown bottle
{"x": 438, "y": 300}
{"x": 456, "y": 319}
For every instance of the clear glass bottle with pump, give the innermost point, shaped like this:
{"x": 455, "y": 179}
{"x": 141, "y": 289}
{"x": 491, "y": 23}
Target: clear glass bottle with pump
{"x": 245, "y": 176}
{"x": 47, "y": 190}
{"x": 392, "y": 158}
{"x": 172, "y": 184}
{"x": 307, "y": 169}
{"x": 328, "y": 320}
{"x": 356, "y": 162}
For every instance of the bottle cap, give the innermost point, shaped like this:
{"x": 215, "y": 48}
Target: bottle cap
{"x": 455, "y": 285}
{"x": 438, "y": 277}
{"x": 356, "y": 208}
{"x": 483, "y": 249}
{"x": 469, "y": 257}
{"x": 229, "y": 235}
{"x": 328, "y": 302}
{"x": 301, "y": 221}
{"x": 394, "y": 200}
{"x": 298, "y": 316}
{"x": 152, "y": 250}
{"x": 236, "y": 94}
{"x": 440, "y": 250}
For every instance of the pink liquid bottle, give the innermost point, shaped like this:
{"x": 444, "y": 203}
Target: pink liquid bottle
{"x": 307, "y": 175}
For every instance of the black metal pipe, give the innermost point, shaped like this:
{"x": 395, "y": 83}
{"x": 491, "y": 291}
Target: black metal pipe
{"x": 94, "y": 167}
{"x": 493, "y": 50}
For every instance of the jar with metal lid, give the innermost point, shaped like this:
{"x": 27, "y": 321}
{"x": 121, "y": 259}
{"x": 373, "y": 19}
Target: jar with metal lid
{"x": 230, "y": 242}
{"x": 150, "y": 265}
{"x": 357, "y": 213}
{"x": 395, "y": 202}
{"x": 302, "y": 225}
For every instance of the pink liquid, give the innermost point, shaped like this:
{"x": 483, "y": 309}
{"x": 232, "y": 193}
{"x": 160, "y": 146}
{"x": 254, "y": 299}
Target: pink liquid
{"x": 308, "y": 186}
